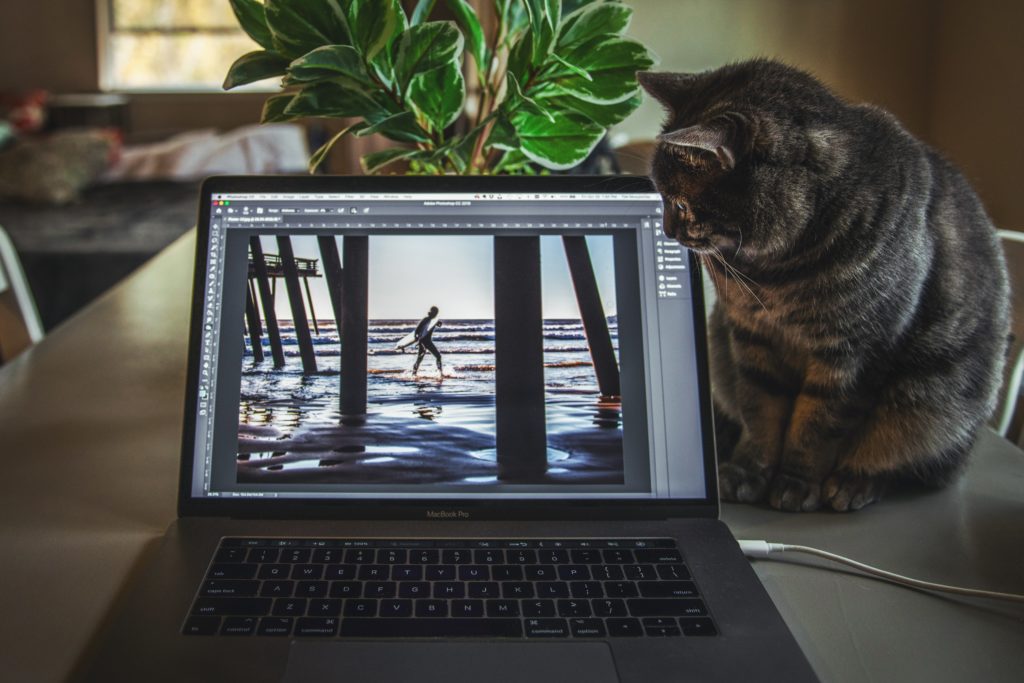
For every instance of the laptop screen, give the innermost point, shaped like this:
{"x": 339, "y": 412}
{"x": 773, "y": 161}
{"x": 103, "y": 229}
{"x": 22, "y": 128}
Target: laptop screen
{"x": 456, "y": 345}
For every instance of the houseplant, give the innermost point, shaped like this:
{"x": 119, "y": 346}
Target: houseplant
{"x": 552, "y": 76}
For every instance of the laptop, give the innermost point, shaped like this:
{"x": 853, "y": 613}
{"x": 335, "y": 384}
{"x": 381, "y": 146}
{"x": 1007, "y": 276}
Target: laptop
{"x": 445, "y": 429}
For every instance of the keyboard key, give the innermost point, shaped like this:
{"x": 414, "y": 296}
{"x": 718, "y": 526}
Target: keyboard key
{"x": 546, "y": 628}
{"x": 308, "y": 572}
{"x": 327, "y": 556}
{"x": 424, "y": 557}
{"x": 230, "y": 588}
{"x": 658, "y": 556}
{"x": 521, "y": 556}
{"x": 275, "y": 626}
{"x": 540, "y": 572}
{"x": 295, "y": 555}
{"x": 275, "y": 571}
{"x": 554, "y": 556}
{"x": 474, "y": 572}
{"x": 620, "y": 589}
{"x": 264, "y": 555}
{"x": 502, "y": 608}
{"x": 507, "y": 572}
{"x": 414, "y": 589}
{"x": 277, "y": 589}
{"x": 661, "y": 627}
{"x": 452, "y": 589}
{"x": 552, "y": 589}
{"x": 326, "y": 607}
{"x": 360, "y": 556}
{"x": 231, "y": 606}
{"x": 517, "y": 589}
{"x": 573, "y": 572}
{"x": 339, "y": 572}
{"x": 586, "y": 589}
{"x": 441, "y": 572}
{"x": 431, "y": 628}
{"x": 591, "y": 556}
{"x": 587, "y": 628}
{"x": 289, "y": 607}
{"x": 311, "y": 589}
{"x": 617, "y": 556}
{"x": 607, "y": 572}
{"x": 360, "y": 608}
{"x": 380, "y": 589}
{"x": 541, "y": 608}
{"x": 201, "y": 626}
{"x": 667, "y": 608}
{"x": 609, "y": 607}
{"x": 484, "y": 589}
{"x": 407, "y": 572}
{"x": 467, "y": 608}
{"x": 392, "y": 556}
{"x": 238, "y": 626}
{"x": 461, "y": 556}
{"x": 667, "y": 589}
{"x": 489, "y": 556}
{"x": 639, "y": 572}
{"x": 700, "y": 626}
{"x": 619, "y": 628}
{"x": 396, "y": 608}
{"x": 573, "y": 608}
{"x": 313, "y": 627}
{"x": 346, "y": 589}
{"x": 431, "y": 608}
{"x": 230, "y": 555}
{"x": 673, "y": 572}
{"x": 232, "y": 571}
{"x": 374, "y": 572}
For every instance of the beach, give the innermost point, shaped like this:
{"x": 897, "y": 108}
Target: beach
{"x": 430, "y": 427}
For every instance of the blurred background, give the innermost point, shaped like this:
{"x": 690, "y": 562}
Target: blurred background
{"x": 148, "y": 72}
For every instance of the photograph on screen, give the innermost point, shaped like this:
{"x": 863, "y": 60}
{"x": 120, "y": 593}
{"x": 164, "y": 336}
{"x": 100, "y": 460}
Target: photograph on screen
{"x": 430, "y": 359}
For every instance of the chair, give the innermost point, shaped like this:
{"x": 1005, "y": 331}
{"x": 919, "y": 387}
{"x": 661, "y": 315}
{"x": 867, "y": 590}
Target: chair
{"x": 1009, "y": 419}
{"x": 20, "y": 326}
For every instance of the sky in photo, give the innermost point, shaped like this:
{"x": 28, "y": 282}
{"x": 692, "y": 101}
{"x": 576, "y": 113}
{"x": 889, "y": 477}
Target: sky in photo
{"x": 409, "y": 274}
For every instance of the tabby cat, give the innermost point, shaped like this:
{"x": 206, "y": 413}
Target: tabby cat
{"x": 861, "y": 322}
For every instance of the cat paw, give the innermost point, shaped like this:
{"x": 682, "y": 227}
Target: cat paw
{"x": 794, "y": 494}
{"x": 740, "y": 484}
{"x": 848, "y": 492}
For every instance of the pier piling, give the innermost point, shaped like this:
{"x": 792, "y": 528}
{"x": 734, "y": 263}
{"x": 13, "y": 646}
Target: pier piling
{"x": 595, "y": 324}
{"x": 354, "y": 324}
{"x": 267, "y": 299}
{"x": 291, "y": 281}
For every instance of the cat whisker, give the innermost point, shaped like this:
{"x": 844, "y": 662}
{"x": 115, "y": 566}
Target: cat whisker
{"x": 739, "y": 277}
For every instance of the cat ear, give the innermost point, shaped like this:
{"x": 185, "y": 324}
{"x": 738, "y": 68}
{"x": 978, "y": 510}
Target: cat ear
{"x": 665, "y": 87}
{"x": 709, "y": 138}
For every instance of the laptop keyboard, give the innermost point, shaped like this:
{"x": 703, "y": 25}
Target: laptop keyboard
{"x": 546, "y": 588}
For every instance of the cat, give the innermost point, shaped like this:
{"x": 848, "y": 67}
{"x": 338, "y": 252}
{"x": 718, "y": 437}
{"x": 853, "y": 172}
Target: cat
{"x": 862, "y": 314}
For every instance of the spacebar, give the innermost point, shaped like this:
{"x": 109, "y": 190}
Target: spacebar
{"x": 431, "y": 628}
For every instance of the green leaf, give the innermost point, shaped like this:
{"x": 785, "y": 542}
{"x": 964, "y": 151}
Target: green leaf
{"x": 517, "y": 100}
{"x": 300, "y": 26}
{"x": 374, "y": 161}
{"x": 612, "y": 64}
{"x": 401, "y": 126}
{"x": 606, "y": 115}
{"x": 318, "y": 156}
{"x": 438, "y": 95}
{"x": 273, "y": 108}
{"x": 520, "y": 58}
{"x": 330, "y": 62}
{"x": 592, "y": 21}
{"x": 503, "y": 134}
{"x": 544, "y": 16}
{"x": 252, "y": 17}
{"x": 467, "y": 20}
{"x": 425, "y": 47}
{"x": 422, "y": 12}
{"x": 373, "y": 23}
{"x": 255, "y": 66}
{"x": 557, "y": 145}
{"x": 336, "y": 100}
{"x": 572, "y": 68}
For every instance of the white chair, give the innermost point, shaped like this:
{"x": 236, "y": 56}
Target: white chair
{"x": 20, "y": 326}
{"x": 1007, "y": 420}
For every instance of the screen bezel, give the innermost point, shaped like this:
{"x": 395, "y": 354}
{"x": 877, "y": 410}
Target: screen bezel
{"x": 396, "y": 508}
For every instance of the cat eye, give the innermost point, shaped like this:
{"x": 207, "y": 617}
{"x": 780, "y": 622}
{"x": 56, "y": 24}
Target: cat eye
{"x": 682, "y": 208}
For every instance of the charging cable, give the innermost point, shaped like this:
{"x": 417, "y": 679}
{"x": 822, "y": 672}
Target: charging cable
{"x": 765, "y": 550}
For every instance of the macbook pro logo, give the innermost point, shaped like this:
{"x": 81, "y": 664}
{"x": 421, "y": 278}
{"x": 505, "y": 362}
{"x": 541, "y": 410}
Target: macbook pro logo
{"x": 447, "y": 514}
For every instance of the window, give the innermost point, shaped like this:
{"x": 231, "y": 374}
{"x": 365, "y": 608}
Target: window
{"x": 168, "y": 44}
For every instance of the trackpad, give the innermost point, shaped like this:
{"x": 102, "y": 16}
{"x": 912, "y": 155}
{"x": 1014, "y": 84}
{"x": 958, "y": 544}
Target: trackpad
{"x": 449, "y": 662}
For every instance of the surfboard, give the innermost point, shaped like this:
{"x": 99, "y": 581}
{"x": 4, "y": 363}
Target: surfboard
{"x": 411, "y": 337}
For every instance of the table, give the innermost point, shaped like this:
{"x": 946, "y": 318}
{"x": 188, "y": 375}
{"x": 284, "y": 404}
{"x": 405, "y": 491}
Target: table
{"x": 90, "y": 424}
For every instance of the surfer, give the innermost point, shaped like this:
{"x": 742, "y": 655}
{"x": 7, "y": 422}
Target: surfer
{"x": 423, "y": 337}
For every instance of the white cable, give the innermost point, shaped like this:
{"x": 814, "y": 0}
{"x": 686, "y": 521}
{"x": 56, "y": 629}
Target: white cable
{"x": 764, "y": 550}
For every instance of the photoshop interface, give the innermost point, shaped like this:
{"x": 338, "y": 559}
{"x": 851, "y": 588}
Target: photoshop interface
{"x": 428, "y": 412}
